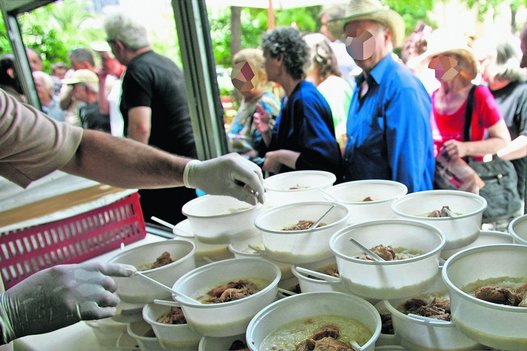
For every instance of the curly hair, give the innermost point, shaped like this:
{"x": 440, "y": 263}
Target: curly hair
{"x": 286, "y": 43}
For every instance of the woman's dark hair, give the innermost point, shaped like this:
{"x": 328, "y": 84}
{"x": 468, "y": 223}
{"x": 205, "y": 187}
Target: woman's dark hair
{"x": 287, "y": 43}
{"x": 7, "y": 61}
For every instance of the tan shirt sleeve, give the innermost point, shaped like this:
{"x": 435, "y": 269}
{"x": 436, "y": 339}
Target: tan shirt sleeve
{"x": 31, "y": 144}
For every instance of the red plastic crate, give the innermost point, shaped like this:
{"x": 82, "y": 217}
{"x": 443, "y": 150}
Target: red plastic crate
{"x": 70, "y": 240}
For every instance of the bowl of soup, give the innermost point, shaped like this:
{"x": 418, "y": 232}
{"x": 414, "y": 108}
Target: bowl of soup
{"x": 488, "y": 294}
{"x": 164, "y": 261}
{"x": 409, "y": 251}
{"x": 316, "y": 318}
{"x": 227, "y": 294}
{"x": 290, "y": 233}
{"x": 457, "y": 214}
{"x": 367, "y": 199}
{"x": 297, "y": 186}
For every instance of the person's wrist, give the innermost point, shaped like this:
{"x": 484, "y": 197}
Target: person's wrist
{"x": 188, "y": 173}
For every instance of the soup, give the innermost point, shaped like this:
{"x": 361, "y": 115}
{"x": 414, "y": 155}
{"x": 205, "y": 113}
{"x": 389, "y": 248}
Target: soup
{"x": 289, "y": 337}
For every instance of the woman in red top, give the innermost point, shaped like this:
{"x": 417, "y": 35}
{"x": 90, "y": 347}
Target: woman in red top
{"x": 455, "y": 67}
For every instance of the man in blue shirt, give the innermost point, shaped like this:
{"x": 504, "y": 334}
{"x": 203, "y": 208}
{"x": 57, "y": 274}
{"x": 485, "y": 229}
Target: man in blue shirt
{"x": 388, "y": 128}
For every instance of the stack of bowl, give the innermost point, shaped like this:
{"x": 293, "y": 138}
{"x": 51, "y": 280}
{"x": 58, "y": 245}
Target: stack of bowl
{"x": 518, "y": 230}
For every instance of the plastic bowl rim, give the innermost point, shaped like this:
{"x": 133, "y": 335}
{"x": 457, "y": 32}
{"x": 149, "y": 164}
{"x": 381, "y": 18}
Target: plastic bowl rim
{"x": 293, "y": 232}
{"x": 331, "y": 180}
{"x": 406, "y": 197}
{"x": 512, "y": 231}
{"x": 273, "y": 284}
{"x": 184, "y": 209}
{"x": 368, "y": 181}
{"x": 458, "y": 255}
{"x": 269, "y": 308}
{"x": 159, "y": 243}
{"x": 393, "y": 310}
{"x": 345, "y": 230}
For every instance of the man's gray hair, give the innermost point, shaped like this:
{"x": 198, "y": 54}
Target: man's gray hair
{"x": 507, "y": 64}
{"x": 129, "y": 31}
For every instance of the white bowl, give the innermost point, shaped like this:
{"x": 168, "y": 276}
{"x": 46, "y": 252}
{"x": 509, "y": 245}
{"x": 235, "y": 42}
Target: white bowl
{"x": 310, "y": 306}
{"x": 136, "y": 289}
{"x": 388, "y": 279}
{"x": 518, "y": 229}
{"x": 300, "y": 246}
{"x": 485, "y": 237}
{"x": 171, "y": 336}
{"x": 205, "y": 253}
{"x": 140, "y": 330}
{"x": 107, "y": 332}
{"x": 428, "y": 334}
{"x": 382, "y": 192}
{"x": 297, "y": 186}
{"x": 459, "y": 231}
{"x": 311, "y": 284}
{"x": 219, "y": 344}
{"x": 227, "y": 318}
{"x": 240, "y": 249}
{"x": 217, "y": 219}
{"x": 498, "y": 326}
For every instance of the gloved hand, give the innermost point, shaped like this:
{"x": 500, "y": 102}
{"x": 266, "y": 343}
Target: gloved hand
{"x": 59, "y": 296}
{"x": 229, "y": 174}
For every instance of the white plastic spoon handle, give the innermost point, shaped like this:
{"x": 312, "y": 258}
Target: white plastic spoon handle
{"x": 162, "y": 222}
{"x": 368, "y": 251}
{"x": 322, "y": 276}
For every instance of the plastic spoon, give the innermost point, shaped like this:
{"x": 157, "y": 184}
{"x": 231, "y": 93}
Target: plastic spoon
{"x": 372, "y": 254}
{"x": 356, "y": 345}
{"x": 427, "y": 319}
{"x": 188, "y": 299}
{"x": 162, "y": 222}
{"x": 322, "y": 276}
{"x": 166, "y": 303}
{"x": 314, "y": 225}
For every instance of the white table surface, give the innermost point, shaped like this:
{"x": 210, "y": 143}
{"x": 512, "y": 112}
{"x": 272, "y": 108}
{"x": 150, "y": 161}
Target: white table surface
{"x": 76, "y": 337}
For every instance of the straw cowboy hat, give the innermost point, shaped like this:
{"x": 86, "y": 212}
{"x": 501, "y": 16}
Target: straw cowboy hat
{"x": 374, "y": 10}
{"x": 449, "y": 42}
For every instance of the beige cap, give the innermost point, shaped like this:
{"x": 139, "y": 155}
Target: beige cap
{"x": 82, "y": 76}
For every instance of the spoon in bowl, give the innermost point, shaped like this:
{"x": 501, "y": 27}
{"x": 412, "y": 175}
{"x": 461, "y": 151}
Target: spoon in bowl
{"x": 319, "y": 275}
{"x": 372, "y": 254}
{"x": 179, "y": 295}
{"x": 314, "y": 225}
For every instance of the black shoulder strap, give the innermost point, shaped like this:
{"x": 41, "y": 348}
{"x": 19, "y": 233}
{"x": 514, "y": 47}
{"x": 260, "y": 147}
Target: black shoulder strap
{"x": 468, "y": 113}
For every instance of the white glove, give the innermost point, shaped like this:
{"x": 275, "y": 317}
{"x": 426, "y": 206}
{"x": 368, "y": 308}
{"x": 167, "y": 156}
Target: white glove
{"x": 59, "y": 296}
{"x": 229, "y": 174}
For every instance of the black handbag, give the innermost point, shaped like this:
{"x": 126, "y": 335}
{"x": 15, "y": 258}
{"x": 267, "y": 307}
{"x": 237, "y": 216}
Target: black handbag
{"x": 500, "y": 189}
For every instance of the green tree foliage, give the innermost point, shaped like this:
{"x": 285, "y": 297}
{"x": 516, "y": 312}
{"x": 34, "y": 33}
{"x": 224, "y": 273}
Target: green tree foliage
{"x": 254, "y": 23}
{"x": 412, "y": 11}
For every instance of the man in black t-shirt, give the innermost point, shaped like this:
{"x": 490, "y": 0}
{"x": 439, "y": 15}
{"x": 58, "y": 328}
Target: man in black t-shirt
{"x": 154, "y": 107}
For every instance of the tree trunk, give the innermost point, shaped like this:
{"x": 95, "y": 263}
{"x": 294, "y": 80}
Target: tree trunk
{"x": 236, "y": 30}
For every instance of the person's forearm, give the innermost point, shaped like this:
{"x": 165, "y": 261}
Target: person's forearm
{"x": 104, "y": 106}
{"x": 125, "y": 163}
{"x": 488, "y": 146}
{"x": 516, "y": 149}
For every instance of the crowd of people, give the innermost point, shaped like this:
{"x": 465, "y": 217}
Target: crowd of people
{"x": 349, "y": 106}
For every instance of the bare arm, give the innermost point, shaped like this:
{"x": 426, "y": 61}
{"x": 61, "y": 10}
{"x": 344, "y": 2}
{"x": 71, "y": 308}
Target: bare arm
{"x": 139, "y": 123}
{"x": 516, "y": 149}
{"x": 125, "y": 163}
{"x": 104, "y": 106}
{"x": 499, "y": 137}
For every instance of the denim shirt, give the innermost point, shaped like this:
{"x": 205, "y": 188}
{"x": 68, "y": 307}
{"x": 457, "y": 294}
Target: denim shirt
{"x": 388, "y": 130}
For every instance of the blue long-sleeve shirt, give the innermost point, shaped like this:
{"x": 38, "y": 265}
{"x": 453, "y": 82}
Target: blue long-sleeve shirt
{"x": 388, "y": 129}
{"x": 305, "y": 125}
